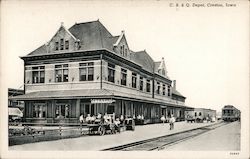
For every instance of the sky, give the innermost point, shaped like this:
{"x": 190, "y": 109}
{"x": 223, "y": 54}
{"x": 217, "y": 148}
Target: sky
{"x": 206, "y": 49}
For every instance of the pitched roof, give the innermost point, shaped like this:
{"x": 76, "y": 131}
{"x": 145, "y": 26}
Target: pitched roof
{"x": 142, "y": 58}
{"x": 93, "y": 35}
{"x": 39, "y": 51}
{"x": 114, "y": 39}
{"x": 174, "y": 91}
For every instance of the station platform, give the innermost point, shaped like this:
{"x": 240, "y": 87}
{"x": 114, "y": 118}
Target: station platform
{"x": 96, "y": 142}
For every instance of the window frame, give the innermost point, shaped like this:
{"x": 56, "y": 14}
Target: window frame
{"x": 38, "y": 108}
{"x": 111, "y": 68}
{"x": 134, "y": 80}
{"x": 169, "y": 89}
{"x": 63, "y": 110}
{"x": 56, "y": 46}
{"x": 123, "y": 77}
{"x": 158, "y": 88}
{"x": 66, "y": 44}
{"x": 141, "y": 83}
{"x": 88, "y": 66}
{"x": 61, "y": 44}
{"x": 39, "y": 70}
{"x": 148, "y": 86}
{"x": 64, "y": 68}
{"x": 164, "y": 89}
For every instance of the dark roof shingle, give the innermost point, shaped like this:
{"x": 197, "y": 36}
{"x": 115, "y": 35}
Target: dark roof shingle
{"x": 174, "y": 91}
{"x": 143, "y": 59}
{"x": 93, "y": 35}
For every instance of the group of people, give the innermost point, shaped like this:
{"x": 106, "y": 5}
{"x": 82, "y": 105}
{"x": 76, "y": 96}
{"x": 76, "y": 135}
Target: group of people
{"x": 106, "y": 118}
{"x": 171, "y": 121}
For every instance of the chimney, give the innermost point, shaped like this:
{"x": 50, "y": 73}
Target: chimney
{"x": 174, "y": 84}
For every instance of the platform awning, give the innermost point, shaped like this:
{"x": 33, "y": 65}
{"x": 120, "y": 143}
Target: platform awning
{"x": 15, "y": 112}
{"x": 94, "y": 94}
{"x": 64, "y": 94}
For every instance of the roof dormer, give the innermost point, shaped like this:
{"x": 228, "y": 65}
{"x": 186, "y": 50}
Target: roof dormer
{"x": 62, "y": 41}
{"x": 121, "y": 46}
{"x": 160, "y": 67}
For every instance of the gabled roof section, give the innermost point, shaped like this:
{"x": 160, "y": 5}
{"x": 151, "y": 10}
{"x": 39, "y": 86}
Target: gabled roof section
{"x": 62, "y": 27}
{"x": 160, "y": 68}
{"x": 142, "y": 58}
{"x": 120, "y": 38}
{"x": 44, "y": 48}
{"x": 91, "y": 35}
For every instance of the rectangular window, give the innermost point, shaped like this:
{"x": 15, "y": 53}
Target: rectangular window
{"x": 111, "y": 73}
{"x": 163, "y": 89}
{"x": 86, "y": 71}
{"x": 123, "y": 77}
{"x": 121, "y": 50}
{"x": 141, "y": 83}
{"x": 134, "y": 79}
{"x": 66, "y": 45}
{"x": 62, "y": 110}
{"x": 39, "y": 111}
{"x": 57, "y": 46}
{"x": 61, "y": 44}
{"x": 38, "y": 74}
{"x": 148, "y": 86}
{"x": 158, "y": 88}
{"x": 62, "y": 73}
{"x": 168, "y": 90}
{"x": 126, "y": 52}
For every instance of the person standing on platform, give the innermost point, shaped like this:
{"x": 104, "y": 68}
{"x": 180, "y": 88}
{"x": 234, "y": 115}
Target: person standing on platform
{"x": 163, "y": 119}
{"x": 171, "y": 122}
{"x": 81, "y": 119}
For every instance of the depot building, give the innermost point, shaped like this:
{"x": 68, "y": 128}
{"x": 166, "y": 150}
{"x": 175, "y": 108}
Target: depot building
{"x": 87, "y": 70}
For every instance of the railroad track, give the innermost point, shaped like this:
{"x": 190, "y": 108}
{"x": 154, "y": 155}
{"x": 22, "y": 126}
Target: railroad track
{"x": 161, "y": 142}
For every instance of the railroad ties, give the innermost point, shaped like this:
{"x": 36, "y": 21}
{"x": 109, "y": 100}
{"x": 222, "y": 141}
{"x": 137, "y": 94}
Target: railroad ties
{"x": 165, "y": 141}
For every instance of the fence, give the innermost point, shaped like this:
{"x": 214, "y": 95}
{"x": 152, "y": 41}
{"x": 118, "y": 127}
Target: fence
{"x": 45, "y": 132}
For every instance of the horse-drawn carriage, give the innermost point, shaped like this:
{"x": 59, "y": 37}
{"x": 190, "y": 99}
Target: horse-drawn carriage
{"x": 103, "y": 128}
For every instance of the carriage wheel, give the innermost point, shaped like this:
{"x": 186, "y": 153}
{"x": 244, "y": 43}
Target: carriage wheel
{"x": 101, "y": 130}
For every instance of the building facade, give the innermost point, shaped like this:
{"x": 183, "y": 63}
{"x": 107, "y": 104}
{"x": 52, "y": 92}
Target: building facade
{"x": 87, "y": 70}
{"x": 201, "y": 113}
